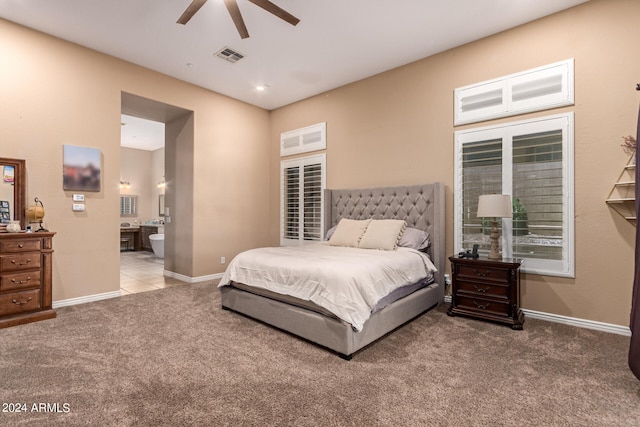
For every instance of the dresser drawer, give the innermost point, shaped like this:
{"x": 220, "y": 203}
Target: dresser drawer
{"x": 24, "y": 245}
{"x": 500, "y": 308}
{"x": 15, "y": 281}
{"x": 485, "y": 289}
{"x": 19, "y": 261}
{"x": 479, "y": 272}
{"x": 19, "y": 302}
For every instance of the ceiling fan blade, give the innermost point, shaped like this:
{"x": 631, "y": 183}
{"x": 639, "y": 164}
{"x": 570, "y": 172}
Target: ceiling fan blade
{"x": 190, "y": 11}
{"x": 277, "y": 11}
{"x": 234, "y": 11}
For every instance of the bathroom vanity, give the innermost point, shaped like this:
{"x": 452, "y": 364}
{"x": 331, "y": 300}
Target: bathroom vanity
{"x": 147, "y": 230}
{"x": 25, "y": 277}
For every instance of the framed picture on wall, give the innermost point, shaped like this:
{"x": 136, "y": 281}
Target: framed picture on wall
{"x": 8, "y": 174}
{"x": 82, "y": 166}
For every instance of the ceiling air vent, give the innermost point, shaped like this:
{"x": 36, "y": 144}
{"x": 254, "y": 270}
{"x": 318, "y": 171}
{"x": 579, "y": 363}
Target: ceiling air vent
{"x": 230, "y": 55}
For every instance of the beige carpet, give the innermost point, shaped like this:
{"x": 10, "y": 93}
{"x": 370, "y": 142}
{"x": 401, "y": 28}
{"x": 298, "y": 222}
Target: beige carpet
{"x": 174, "y": 357}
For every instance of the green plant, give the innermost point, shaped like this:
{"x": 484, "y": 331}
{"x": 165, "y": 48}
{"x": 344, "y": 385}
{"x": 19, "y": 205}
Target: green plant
{"x": 520, "y": 219}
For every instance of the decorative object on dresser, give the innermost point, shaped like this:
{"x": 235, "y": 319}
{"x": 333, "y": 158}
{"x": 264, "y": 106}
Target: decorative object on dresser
{"x": 494, "y": 206}
{"x": 26, "y": 261}
{"x": 487, "y": 289}
{"x": 35, "y": 213}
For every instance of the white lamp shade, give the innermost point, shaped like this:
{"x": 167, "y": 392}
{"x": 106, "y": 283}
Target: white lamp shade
{"x": 494, "y": 205}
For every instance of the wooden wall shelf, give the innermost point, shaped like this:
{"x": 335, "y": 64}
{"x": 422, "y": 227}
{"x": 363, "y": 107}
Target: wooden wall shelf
{"x": 623, "y": 194}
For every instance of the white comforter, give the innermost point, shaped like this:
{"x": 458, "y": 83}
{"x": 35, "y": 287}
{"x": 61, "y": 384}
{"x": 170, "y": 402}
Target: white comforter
{"x": 346, "y": 281}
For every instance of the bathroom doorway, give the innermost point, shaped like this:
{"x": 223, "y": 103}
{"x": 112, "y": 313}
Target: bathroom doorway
{"x": 142, "y": 184}
{"x": 147, "y": 135}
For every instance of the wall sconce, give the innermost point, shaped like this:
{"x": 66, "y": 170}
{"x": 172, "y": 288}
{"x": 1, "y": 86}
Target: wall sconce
{"x": 125, "y": 184}
{"x": 162, "y": 184}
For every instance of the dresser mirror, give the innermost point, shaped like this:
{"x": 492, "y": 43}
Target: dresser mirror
{"x": 13, "y": 191}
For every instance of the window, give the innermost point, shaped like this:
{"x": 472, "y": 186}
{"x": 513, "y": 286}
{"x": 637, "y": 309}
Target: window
{"x": 532, "y": 161}
{"x": 128, "y": 205}
{"x": 302, "y": 184}
{"x": 537, "y": 89}
{"x": 304, "y": 140}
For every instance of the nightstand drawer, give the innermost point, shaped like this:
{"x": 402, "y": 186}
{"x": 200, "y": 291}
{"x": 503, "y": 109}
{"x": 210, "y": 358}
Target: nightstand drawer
{"x": 14, "y": 281}
{"x": 500, "y": 308}
{"x": 484, "y": 289}
{"x": 19, "y": 302}
{"x": 20, "y": 262}
{"x": 483, "y": 273}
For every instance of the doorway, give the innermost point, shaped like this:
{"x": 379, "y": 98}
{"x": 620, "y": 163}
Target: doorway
{"x": 148, "y": 132}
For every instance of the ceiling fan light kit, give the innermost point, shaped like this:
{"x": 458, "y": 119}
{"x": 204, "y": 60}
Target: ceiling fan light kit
{"x": 236, "y": 16}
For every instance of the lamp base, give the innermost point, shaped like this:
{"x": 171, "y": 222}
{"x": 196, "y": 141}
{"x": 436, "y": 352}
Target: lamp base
{"x": 495, "y": 241}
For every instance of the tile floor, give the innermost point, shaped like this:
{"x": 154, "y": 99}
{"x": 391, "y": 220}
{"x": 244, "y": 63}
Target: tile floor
{"x": 141, "y": 271}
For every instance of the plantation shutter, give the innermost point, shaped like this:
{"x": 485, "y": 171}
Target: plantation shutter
{"x": 302, "y": 198}
{"x": 481, "y": 174}
{"x": 312, "y": 200}
{"x": 538, "y": 195}
{"x": 292, "y": 203}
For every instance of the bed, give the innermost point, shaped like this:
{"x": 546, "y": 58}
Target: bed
{"x": 420, "y": 206}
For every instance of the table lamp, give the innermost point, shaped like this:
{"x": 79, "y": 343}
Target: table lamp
{"x": 494, "y": 206}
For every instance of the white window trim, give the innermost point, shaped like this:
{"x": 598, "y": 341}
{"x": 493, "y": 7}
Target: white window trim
{"x": 566, "y": 267}
{"x": 499, "y": 93}
{"x": 301, "y": 161}
{"x": 304, "y": 140}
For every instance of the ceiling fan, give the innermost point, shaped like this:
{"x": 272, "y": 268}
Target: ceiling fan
{"x": 236, "y": 16}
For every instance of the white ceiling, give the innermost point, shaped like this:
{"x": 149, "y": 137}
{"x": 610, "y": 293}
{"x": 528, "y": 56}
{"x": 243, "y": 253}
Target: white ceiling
{"x": 141, "y": 134}
{"x": 336, "y": 42}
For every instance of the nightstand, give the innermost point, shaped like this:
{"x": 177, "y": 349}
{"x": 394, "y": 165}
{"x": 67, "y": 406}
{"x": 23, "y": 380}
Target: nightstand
{"x": 486, "y": 289}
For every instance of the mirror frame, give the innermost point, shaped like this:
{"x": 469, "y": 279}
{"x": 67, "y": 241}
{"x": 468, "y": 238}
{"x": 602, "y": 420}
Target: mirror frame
{"x": 19, "y": 189}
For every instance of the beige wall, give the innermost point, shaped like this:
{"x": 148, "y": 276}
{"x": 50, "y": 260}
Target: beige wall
{"x": 397, "y": 128}
{"x": 56, "y": 93}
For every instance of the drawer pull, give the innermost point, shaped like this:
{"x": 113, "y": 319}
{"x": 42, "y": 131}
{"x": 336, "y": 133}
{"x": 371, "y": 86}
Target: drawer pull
{"x": 20, "y": 245}
{"x": 13, "y": 261}
{"x": 21, "y": 302}
{"x": 21, "y": 282}
{"x": 482, "y": 273}
{"x": 481, "y": 289}
{"x": 481, "y": 306}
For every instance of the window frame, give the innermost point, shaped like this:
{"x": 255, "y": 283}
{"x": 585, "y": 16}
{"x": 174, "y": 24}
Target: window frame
{"x": 506, "y": 132}
{"x": 301, "y": 162}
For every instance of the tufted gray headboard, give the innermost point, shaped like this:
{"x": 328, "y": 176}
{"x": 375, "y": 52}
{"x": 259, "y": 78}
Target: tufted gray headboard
{"x": 421, "y": 206}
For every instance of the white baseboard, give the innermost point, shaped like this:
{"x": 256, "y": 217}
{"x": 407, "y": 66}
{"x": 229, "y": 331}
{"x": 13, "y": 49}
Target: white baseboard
{"x": 114, "y": 294}
{"x": 82, "y": 300}
{"x": 189, "y": 279}
{"x": 572, "y": 321}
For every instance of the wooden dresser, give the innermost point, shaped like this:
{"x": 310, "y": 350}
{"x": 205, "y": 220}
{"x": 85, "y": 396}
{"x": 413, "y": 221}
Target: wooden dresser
{"x": 25, "y": 277}
{"x": 486, "y": 289}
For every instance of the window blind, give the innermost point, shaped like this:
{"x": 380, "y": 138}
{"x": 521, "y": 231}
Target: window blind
{"x": 302, "y": 198}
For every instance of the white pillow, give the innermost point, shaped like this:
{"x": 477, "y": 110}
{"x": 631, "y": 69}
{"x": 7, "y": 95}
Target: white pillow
{"x": 349, "y": 232}
{"x": 383, "y": 234}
